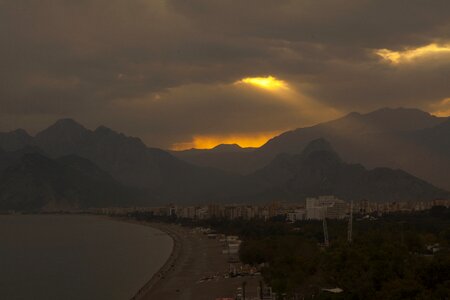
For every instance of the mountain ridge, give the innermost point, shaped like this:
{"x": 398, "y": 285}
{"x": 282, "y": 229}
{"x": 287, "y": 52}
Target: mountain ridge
{"x": 34, "y": 182}
{"x": 291, "y": 171}
{"x": 375, "y": 139}
{"x": 130, "y": 161}
{"x": 319, "y": 170}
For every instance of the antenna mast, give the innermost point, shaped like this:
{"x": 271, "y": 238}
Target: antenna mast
{"x": 325, "y": 232}
{"x": 350, "y": 224}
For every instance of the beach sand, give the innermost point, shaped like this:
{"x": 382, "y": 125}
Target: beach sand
{"x": 194, "y": 258}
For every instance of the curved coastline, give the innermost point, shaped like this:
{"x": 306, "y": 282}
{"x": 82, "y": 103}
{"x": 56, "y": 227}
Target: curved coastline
{"x": 168, "y": 265}
{"x": 80, "y": 256}
{"x": 196, "y": 269}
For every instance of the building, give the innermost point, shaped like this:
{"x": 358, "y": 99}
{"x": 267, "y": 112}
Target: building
{"x": 297, "y": 215}
{"x": 325, "y": 207}
{"x": 188, "y": 212}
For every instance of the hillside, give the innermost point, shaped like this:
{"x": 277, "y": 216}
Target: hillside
{"x": 33, "y": 182}
{"x": 319, "y": 170}
{"x": 407, "y": 139}
{"x": 163, "y": 177}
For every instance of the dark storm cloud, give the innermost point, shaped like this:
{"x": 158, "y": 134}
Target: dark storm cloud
{"x": 105, "y": 62}
{"x": 363, "y": 23}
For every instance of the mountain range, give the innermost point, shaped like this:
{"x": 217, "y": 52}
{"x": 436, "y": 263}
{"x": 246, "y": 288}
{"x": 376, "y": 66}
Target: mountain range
{"x": 318, "y": 170}
{"x": 70, "y": 166}
{"x": 407, "y": 139}
{"x": 30, "y": 181}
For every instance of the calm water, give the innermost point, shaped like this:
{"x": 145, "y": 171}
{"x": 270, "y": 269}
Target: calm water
{"x": 77, "y": 257}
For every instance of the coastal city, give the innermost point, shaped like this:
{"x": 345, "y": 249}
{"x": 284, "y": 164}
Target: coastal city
{"x": 225, "y": 150}
{"x": 227, "y": 276}
{"x": 318, "y": 208}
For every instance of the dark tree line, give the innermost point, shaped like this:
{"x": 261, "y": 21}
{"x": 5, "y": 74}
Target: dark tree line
{"x": 389, "y": 258}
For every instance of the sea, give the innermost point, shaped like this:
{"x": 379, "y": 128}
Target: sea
{"x": 79, "y": 257}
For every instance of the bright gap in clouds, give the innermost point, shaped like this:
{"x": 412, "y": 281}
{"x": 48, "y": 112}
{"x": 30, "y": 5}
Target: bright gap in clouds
{"x": 210, "y": 141}
{"x": 442, "y": 108}
{"x": 397, "y": 57}
{"x": 287, "y": 100}
{"x": 268, "y": 83}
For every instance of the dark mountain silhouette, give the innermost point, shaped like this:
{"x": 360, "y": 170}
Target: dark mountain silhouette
{"x": 227, "y": 157}
{"x": 34, "y": 182}
{"x": 319, "y": 170}
{"x": 130, "y": 161}
{"x": 14, "y": 140}
{"x": 407, "y": 139}
{"x": 8, "y": 158}
{"x": 154, "y": 172}
{"x": 68, "y": 165}
{"x": 229, "y": 148}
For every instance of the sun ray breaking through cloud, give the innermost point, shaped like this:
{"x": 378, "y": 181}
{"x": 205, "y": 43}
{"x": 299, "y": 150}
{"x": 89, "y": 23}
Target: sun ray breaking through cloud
{"x": 397, "y": 57}
{"x": 442, "y": 108}
{"x": 269, "y": 83}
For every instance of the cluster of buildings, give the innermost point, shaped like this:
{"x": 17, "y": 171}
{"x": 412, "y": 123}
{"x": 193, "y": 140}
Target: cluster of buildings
{"x": 317, "y": 208}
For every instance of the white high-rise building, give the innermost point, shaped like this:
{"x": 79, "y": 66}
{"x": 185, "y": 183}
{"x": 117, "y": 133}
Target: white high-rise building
{"x": 325, "y": 206}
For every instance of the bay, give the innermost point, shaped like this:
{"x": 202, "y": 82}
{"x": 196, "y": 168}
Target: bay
{"x": 46, "y": 257}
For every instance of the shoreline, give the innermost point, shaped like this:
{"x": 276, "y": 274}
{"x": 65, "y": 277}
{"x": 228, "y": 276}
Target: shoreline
{"x": 133, "y": 277}
{"x": 170, "y": 262}
{"x": 197, "y": 269}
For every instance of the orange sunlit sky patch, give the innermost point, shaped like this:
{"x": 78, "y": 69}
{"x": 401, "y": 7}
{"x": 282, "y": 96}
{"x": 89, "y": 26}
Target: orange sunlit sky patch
{"x": 442, "y": 109}
{"x": 211, "y": 141}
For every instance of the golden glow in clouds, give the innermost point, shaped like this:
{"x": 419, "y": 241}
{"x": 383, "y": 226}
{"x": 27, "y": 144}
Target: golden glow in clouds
{"x": 397, "y": 57}
{"x": 441, "y": 109}
{"x": 269, "y": 83}
{"x": 282, "y": 94}
{"x": 211, "y": 141}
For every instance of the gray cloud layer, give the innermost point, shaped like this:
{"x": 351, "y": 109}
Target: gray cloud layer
{"x": 165, "y": 70}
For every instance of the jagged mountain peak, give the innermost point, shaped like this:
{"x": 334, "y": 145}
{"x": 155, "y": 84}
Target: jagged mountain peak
{"x": 384, "y": 120}
{"x": 111, "y": 136}
{"x": 318, "y": 155}
{"x": 14, "y": 140}
{"x": 318, "y": 170}
{"x": 400, "y": 119}
{"x": 67, "y": 123}
{"x": 227, "y": 148}
{"x": 104, "y": 130}
{"x": 20, "y": 132}
{"x": 398, "y": 110}
{"x": 63, "y": 129}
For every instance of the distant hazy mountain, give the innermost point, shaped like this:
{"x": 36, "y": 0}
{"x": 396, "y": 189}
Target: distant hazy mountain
{"x": 30, "y": 181}
{"x": 67, "y": 165}
{"x": 318, "y": 170}
{"x": 227, "y": 157}
{"x": 222, "y": 148}
{"x": 8, "y": 158}
{"x": 128, "y": 160}
{"x": 407, "y": 139}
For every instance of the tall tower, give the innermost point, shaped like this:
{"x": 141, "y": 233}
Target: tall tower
{"x": 350, "y": 224}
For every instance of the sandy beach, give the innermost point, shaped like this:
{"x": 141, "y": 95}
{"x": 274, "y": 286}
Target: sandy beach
{"x": 195, "y": 270}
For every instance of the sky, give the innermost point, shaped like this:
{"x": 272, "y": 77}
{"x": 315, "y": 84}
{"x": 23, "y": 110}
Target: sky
{"x": 196, "y": 73}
